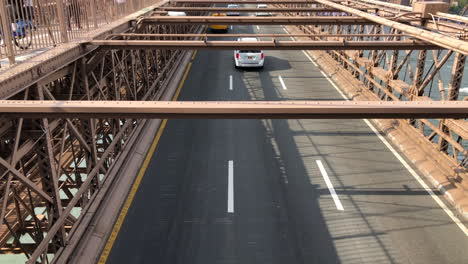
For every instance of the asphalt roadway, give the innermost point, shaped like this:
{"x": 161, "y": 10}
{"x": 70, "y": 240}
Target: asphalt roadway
{"x": 254, "y": 191}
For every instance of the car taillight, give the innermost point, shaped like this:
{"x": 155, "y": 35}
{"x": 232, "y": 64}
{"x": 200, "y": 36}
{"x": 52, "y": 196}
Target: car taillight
{"x": 237, "y": 55}
{"x": 263, "y": 55}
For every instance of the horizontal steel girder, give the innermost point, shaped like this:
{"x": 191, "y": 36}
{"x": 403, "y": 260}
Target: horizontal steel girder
{"x": 258, "y": 35}
{"x": 263, "y": 45}
{"x": 234, "y": 110}
{"x": 246, "y": 9}
{"x": 279, "y": 20}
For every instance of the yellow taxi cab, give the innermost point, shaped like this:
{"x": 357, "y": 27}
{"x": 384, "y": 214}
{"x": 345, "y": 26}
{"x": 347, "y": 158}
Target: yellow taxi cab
{"x": 222, "y": 28}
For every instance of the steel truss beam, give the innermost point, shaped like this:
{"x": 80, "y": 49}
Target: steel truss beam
{"x": 51, "y": 167}
{"x": 435, "y": 38}
{"x": 263, "y": 45}
{"x": 246, "y": 9}
{"x": 247, "y": 109}
{"x": 136, "y": 35}
{"x": 278, "y": 20}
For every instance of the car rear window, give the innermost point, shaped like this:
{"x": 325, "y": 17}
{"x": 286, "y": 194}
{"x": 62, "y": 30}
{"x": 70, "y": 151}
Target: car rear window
{"x": 250, "y": 51}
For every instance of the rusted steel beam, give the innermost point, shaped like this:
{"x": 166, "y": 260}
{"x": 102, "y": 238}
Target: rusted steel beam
{"x": 257, "y": 35}
{"x": 26, "y": 181}
{"x": 246, "y": 9}
{"x": 43, "y": 245}
{"x": 244, "y": 20}
{"x": 432, "y": 37}
{"x": 262, "y": 45}
{"x": 240, "y": 109}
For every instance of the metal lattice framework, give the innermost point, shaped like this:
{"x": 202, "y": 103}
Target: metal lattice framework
{"x": 52, "y": 169}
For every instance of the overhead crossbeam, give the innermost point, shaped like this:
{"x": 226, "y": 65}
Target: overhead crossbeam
{"x": 139, "y": 35}
{"x": 233, "y": 110}
{"x": 263, "y": 45}
{"x": 244, "y": 20}
{"x": 246, "y": 9}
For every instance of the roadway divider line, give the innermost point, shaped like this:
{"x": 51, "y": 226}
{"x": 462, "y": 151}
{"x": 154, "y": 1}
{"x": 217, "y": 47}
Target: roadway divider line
{"x": 182, "y": 82}
{"x": 335, "y": 197}
{"x": 123, "y": 213}
{"x": 230, "y": 201}
{"x": 194, "y": 54}
{"x": 282, "y": 83}
{"x": 284, "y": 29}
{"x": 257, "y": 27}
{"x": 311, "y": 60}
{"x": 334, "y": 85}
{"x": 305, "y": 53}
{"x": 413, "y": 173}
{"x": 230, "y": 82}
{"x": 418, "y": 178}
{"x": 131, "y": 195}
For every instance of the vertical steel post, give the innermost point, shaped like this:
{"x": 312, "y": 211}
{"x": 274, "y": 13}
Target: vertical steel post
{"x": 457, "y": 75}
{"x": 418, "y": 75}
{"x": 6, "y": 29}
{"x": 453, "y": 92}
{"x": 93, "y": 13}
{"x": 62, "y": 22}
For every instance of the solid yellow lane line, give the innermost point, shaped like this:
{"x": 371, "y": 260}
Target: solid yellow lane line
{"x": 128, "y": 202}
{"x": 194, "y": 54}
{"x": 131, "y": 195}
{"x": 182, "y": 82}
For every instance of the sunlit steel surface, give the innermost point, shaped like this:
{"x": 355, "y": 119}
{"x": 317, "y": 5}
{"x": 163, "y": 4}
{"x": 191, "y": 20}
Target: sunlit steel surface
{"x": 241, "y": 109}
{"x": 246, "y": 9}
{"x": 277, "y": 20}
{"x": 265, "y": 45}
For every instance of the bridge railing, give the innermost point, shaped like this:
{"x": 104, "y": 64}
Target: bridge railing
{"x": 30, "y": 25}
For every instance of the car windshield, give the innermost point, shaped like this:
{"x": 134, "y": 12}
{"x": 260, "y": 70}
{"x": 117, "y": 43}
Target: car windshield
{"x": 250, "y": 51}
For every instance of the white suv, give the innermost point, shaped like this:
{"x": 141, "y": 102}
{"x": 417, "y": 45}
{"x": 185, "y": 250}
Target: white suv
{"x": 260, "y": 6}
{"x": 249, "y": 58}
{"x": 233, "y": 13}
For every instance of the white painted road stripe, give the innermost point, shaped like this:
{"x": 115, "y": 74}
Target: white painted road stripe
{"x": 337, "y": 201}
{"x": 284, "y": 29}
{"x": 407, "y": 166}
{"x": 307, "y": 55}
{"x": 230, "y": 205}
{"x": 258, "y": 28}
{"x": 419, "y": 179}
{"x": 230, "y": 82}
{"x": 282, "y": 83}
